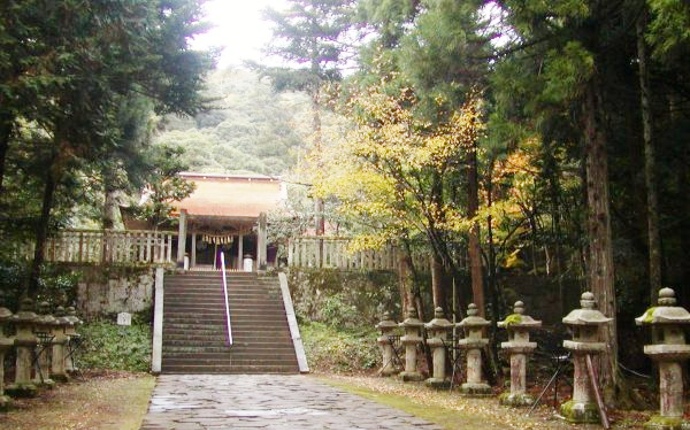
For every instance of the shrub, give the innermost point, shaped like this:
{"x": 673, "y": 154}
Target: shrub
{"x": 113, "y": 347}
{"x": 340, "y": 351}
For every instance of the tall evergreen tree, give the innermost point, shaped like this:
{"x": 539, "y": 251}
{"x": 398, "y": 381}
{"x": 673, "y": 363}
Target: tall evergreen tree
{"x": 310, "y": 38}
{"x": 79, "y": 60}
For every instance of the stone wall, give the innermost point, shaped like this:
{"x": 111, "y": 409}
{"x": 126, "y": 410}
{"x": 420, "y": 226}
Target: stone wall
{"x": 115, "y": 289}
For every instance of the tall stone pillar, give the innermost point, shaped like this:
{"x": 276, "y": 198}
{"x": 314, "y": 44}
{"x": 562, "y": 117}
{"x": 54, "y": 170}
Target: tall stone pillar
{"x": 25, "y": 343}
{"x": 410, "y": 340}
{"x": 6, "y": 344}
{"x": 73, "y": 338}
{"x": 58, "y": 371}
{"x": 386, "y": 342}
{"x": 670, "y": 350}
{"x": 585, "y": 324}
{"x": 473, "y": 343}
{"x": 519, "y": 347}
{"x": 438, "y": 329}
{"x": 43, "y": 329}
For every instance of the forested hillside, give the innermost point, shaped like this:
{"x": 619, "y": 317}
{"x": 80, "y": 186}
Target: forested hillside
{"x": 250, "y": 129}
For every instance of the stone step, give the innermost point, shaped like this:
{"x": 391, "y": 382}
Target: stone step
{"x": 231, "y": 370}
{"x": 219, "y": 358}
{"x": 194, "y": 329}
{"x": 258, "y": 350}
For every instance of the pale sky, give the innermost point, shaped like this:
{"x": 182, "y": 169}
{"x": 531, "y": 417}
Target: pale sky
{"x": 239, "y": 29}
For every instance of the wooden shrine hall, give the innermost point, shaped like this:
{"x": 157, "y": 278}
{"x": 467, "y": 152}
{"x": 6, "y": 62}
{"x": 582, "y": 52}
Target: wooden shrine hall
{"x": 226, "y": 214}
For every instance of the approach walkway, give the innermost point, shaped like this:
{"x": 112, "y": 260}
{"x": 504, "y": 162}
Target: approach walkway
{"x": 272, "y": 402}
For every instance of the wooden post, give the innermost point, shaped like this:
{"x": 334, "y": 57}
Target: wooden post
{"x": 192, "y": 258}
{"x": 182, "y": 238}
{"x": 261, "y": 243}
{"x": 240, "y": 251}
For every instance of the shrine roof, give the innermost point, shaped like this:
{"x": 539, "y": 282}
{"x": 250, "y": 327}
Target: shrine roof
{"x": 231, "y": 196}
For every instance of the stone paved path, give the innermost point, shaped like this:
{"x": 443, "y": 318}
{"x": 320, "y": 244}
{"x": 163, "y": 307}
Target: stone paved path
{"x": 273, "y": 402}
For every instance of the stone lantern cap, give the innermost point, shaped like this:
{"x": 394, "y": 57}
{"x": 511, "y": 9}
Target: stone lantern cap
{"x": 5, "y": 342}
{"x": 61, "y": 319}
{"x": 44, "y": 318}
{"x": 25, "y": 314}
{"x": 72, "y": 316}
{"x": 473, "y": 320}
{"x": 411, "y": 321}
{"x": 666, "y": 312}
{"x": 518, "y": 320}
{"x": 587, "y": 315}
{"x": 439, "y": 322}
{"x": 386, "y": 324}
{"x": 5, "y": 314}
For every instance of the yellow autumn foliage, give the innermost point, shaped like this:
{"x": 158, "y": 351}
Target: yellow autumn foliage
{"x": 379, "y": 171}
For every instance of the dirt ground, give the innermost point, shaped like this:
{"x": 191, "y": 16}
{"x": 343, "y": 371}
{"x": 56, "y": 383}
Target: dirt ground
{"x": 103, "y": 401}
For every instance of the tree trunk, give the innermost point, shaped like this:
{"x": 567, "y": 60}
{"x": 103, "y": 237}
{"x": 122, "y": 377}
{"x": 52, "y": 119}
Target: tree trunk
{"x": 405, "y": 282}
{"x": 53, "y": 172}
{"x": 320, "y": 223}
{"x": 600, "y": 267}
{"x": 475, "y": 250}
{"x": 438, "y": 277}
{"x": 6, "y": 121}
{"x": 653, "y": 238}
{"x": 110, "y": 205}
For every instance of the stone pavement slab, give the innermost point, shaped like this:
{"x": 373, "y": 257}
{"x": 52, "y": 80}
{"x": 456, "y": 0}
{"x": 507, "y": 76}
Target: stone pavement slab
{"x": 273, "y": 402}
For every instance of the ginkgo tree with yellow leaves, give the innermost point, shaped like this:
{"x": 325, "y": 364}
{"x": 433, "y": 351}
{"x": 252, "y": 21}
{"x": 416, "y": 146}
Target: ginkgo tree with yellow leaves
{"x": 394, "y": 174}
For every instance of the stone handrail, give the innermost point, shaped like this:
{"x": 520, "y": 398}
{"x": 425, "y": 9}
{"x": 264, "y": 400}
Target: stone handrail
{"x": 107, "y": 246}
{"x": 329, "y": 252}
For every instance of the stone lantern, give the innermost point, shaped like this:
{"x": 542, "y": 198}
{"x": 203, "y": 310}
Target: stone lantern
{"x": 669, "y": 350}
{"x": 387, "y": 343}
{"x": 43, "y": 329}
{"x": 73, "y": 338}
{"x": 437, "y": 330}
{"x": 25, "y": 342}
{"x": 585, "y": 324}
{"x": 473, "y": 343}
{"x": 518, "y": 347}
{"x": 5, "y": 345}
{"x": 58, "y": 371}
{"x": 412, "y": 338}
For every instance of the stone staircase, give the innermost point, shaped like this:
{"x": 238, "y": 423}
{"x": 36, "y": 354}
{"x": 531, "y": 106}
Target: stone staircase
{"x": 194, "y": 325}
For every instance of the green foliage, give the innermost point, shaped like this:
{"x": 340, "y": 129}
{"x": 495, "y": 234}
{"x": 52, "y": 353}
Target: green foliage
{"x": 249, "y": 128}
{"x": 334, "y": 351}
{"x": 343, "y": 300}
{"x": 337, "y": 313}
{"x": 164, "y": 186}
{"x": 309, "y": 36}
{"x": 113, "y": 347}
{"x": 58, "y": 286}
{"x": 12, "y": 276}
{"x": 669, "y": 31}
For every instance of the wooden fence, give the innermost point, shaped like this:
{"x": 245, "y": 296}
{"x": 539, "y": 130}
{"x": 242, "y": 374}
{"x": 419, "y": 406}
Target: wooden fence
{"x": 332, "y": 253}
{"x": 99, "y": 246}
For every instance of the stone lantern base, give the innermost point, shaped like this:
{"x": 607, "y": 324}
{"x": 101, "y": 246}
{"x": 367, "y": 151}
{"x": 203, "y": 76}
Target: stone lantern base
{"x": 4, "y": 403}
{"x": 658, "y": 422}
{"x": 580, "y": 412}
{"x": 411, "y": 376}
{"x": 516, "y": 400}
{"x": 437, "y": 383}
{"x": 26, "y": 390}
{"x": 472, "y": 389}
